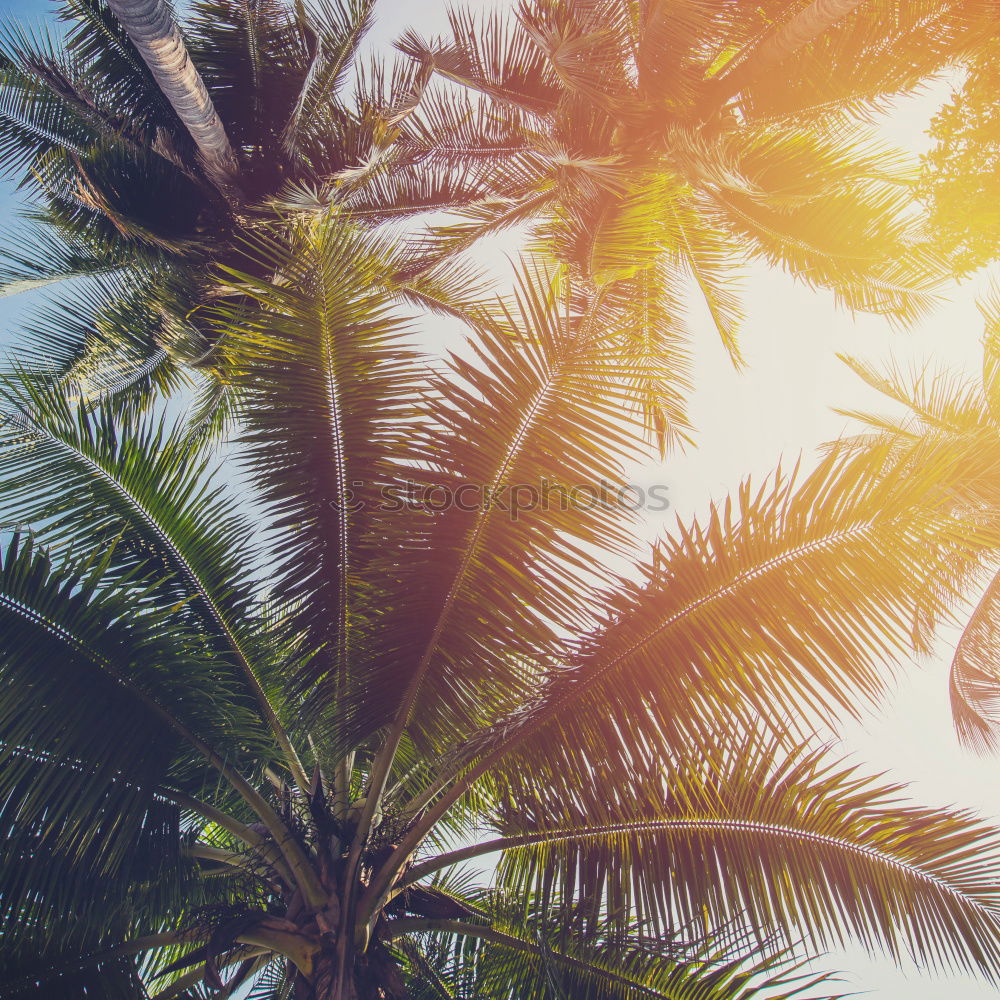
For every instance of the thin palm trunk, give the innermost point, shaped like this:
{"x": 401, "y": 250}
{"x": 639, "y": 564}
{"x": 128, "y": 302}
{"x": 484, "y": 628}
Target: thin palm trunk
{"x": 151, "y": 26}
{"x": 799, "y": 30}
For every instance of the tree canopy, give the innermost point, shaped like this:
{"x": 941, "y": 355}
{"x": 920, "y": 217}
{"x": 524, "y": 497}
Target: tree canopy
{"x": 263, "y": 736}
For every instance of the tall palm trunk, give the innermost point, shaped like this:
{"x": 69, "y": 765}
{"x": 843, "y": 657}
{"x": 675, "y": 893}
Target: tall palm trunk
{"x": 799, "y": 30}
{"x": 151, "y": 27}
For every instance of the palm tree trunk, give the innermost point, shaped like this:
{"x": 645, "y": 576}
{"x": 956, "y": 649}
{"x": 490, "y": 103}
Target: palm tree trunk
{"x": 151, "y": 27}
{"x": 322, "y": 984}
{"x": 799, "y": 30}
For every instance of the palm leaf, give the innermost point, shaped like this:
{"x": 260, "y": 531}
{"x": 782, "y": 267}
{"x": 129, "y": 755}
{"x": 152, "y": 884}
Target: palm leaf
{"x": 103, "y": 700}
{"x": 326, "y": 385}
{"x": 335, "y": 29}
{"x": 528, "y": 953}
{"x": 496, "y": 58}
{"x": 145, "y": 485}
{"x": 799, "y": 844}
{"x": 974, "y": 684}
{"x": 769, "y": 603}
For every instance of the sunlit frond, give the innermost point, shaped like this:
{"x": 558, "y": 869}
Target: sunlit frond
{"x": 797, "y": 595}
{"x": 789, "y": 839}
{"x": 975, "y": 682}
{"x": 525, "y": 950}
{"x": 327, "y": 389}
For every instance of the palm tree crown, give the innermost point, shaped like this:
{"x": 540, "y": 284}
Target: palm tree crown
{"x": 225, "y": 764}
{"x": 99, "y": 134}
{"x": 655, "y": 146}
{"x": 656, "y": 141}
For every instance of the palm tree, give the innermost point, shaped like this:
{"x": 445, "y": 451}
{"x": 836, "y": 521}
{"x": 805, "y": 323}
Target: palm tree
{"x": 960, "y": 170}
{"x": 147, "y": 154}
{"x": 953, "y": 414}
{"x": 652, "y": 129}
{"x": 276, "y": 751}
{"x": 657, "y": 145}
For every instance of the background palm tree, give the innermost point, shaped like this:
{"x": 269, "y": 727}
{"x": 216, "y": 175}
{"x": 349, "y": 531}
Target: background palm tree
{"x": 961, "y": 168}
{"x": 657, "y": 144}
{"x": 225, "y": 762}
{"x": 147, "y": 155}
{"x": 653, "y": 129}
{"x": 950, "y": 414}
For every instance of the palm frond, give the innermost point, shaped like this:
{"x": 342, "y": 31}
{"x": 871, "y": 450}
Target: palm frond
{"x": 791, "y": 595}
{"x": 835, "y": 211}
{"x": 326, "y": 386}
{"x": 974, "y": 682}
{"x": 491, "y": 55}
{"x": 534, "y": 430}
{"x": 840, "y": 548}
{"x": 935, "y": 401}
{"x": 335, "y": 29}
{"x": 856, "y": 62}
{"x": 38, "y": 258}
{"x": 104, "y": 701}
{"x": 802, "y": 846}
{"x": 989, "y": 308}
{"x": 146, "y": 486}
{"x": 529, "y": 954}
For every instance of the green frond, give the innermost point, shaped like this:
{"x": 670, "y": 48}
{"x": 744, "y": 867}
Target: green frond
{"x": 801, "y": 846}
{"x": 676, "y": 45}
{"x": 528, "y": 954}
{"x": 646, "y": 322}
{"x": 708, "y": 256}
{"x": 612, "y": 234}
{"x": 483, "y": 218}
{"x": 105, "y": 336}
{"x": 34, "y": 121}
{"x": 327, "y": 390}
{"x": 147, "y": 487}
{"x": 405, "y": 191}
{"x": 101, "y": 695}
{"x": 452, "y": 128}
{"x": 586, "y": 50}
{"x": 39, "y": 257}
{"x": 949, "y": 412}
{"x": 448, "y": 288}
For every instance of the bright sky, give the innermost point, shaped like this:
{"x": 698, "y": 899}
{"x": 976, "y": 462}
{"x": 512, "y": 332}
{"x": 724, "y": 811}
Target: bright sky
{"x": 779, "y": 407}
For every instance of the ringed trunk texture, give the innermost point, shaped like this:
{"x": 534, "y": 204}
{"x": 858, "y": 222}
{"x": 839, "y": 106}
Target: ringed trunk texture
{"x": 798, "y": 31}
{"x": 322, "y": 984}
{"x": 151, "y": 26}
{"x": 372, "y": 975}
